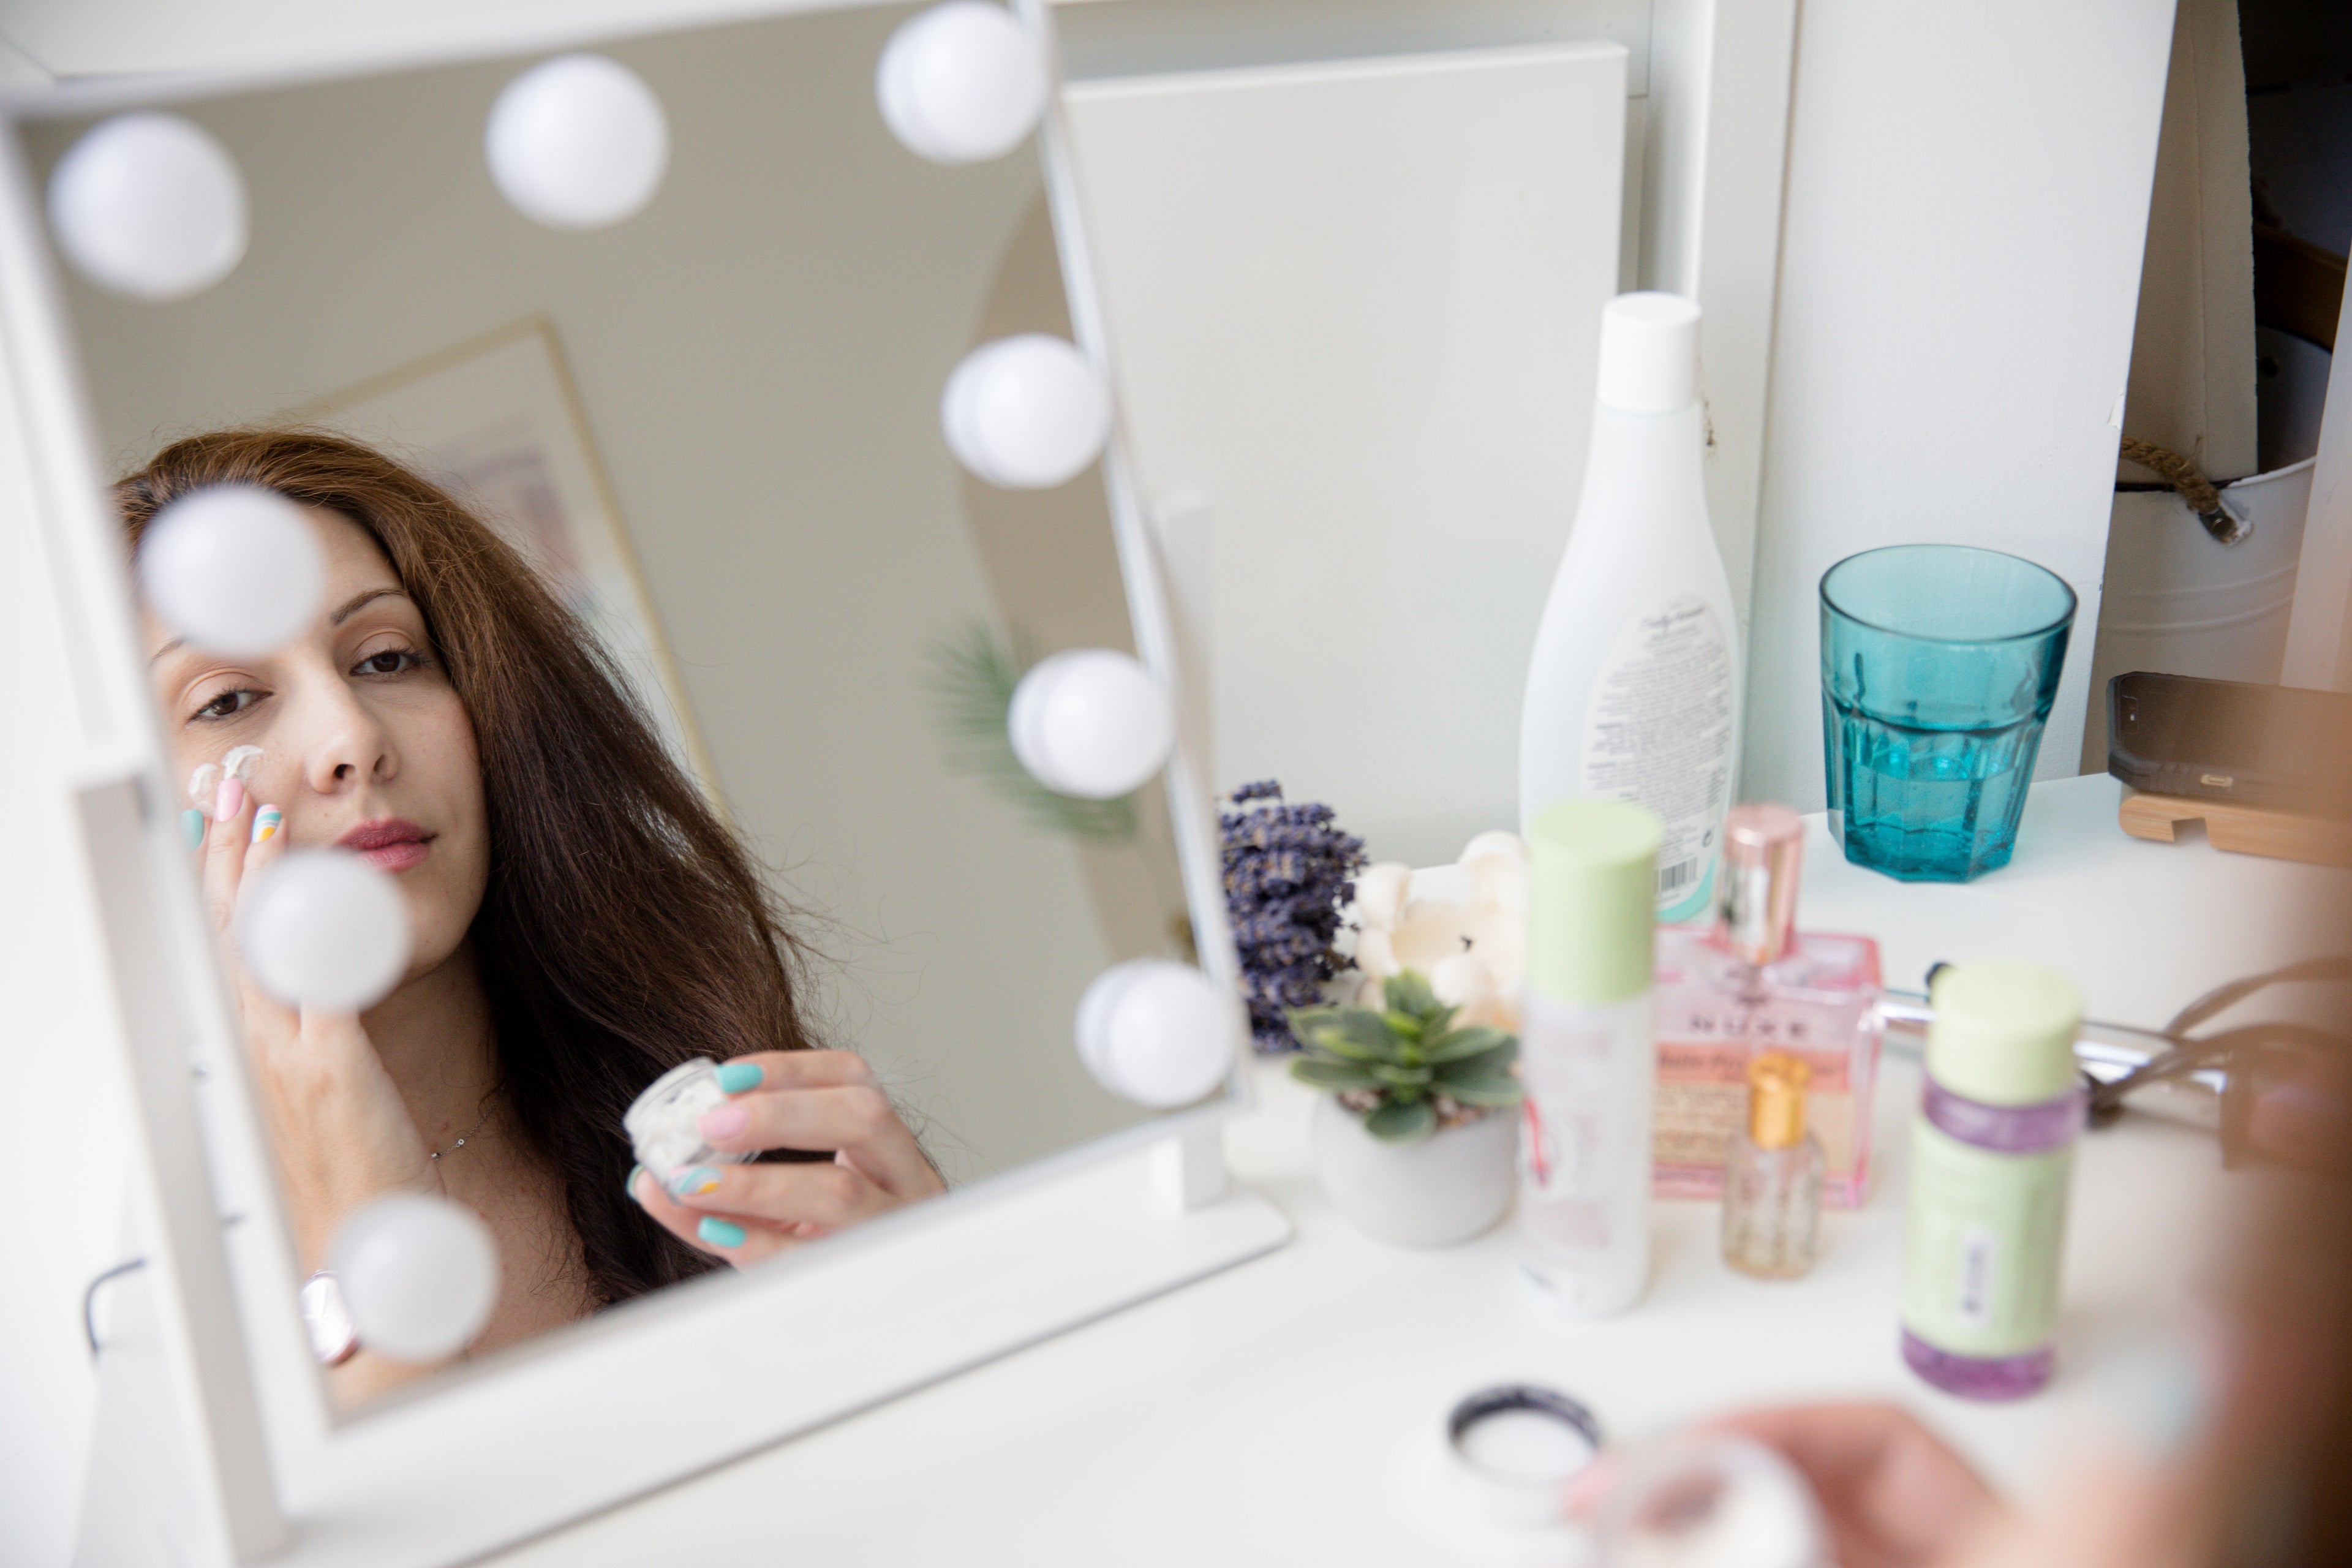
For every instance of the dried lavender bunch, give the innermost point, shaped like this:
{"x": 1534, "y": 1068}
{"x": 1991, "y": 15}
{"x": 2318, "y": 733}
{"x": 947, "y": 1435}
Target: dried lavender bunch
{"x": 1287, "y": 874}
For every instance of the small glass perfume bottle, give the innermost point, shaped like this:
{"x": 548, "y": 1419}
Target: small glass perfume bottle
{"x": 1772, "y": 1181}
{"x": 1751, "y": 982}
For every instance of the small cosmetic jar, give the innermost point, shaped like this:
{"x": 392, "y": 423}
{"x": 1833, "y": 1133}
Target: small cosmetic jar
{"x": 661, "y": 1124}
{"x": 1514, "y": 1450}
{"x": 1708, "y": 1500}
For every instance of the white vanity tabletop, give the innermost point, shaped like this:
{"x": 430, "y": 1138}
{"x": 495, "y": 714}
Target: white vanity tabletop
{"x": 1284, "y": 1412}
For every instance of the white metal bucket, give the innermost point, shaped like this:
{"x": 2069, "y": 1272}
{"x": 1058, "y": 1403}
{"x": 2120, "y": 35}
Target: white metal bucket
{"x": 2178, "y": 601}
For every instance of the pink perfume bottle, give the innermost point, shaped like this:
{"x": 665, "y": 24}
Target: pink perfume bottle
{"x": 1751, "y": 982}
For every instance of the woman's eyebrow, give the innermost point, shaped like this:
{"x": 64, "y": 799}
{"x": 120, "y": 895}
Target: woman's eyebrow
{"x": 343, "y": 612}
{"x": 357, "y": 602}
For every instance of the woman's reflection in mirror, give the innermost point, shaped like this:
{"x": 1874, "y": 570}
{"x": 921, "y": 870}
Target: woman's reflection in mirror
{"x": 583, "y": 920}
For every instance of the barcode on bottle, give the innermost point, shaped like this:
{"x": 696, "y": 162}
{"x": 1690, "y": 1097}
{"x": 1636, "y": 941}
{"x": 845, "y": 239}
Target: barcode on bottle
{"x": 1973, "y": 1305}
{"x": 1671, "y": 877}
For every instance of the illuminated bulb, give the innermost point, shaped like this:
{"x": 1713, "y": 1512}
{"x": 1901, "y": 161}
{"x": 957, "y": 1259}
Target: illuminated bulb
{"x": 419, "y": 1275}
{"x": 1025, "y": 413}
{"x": 962, "y": 82}
{"x": 324, "y": 928}
{"x": 1156, "y": 1032}
{"x": 578, "y": 141}
{"x": 1091, "y": 722}
{"x": 235, "y": 569}
{"x": 149, "y": 205}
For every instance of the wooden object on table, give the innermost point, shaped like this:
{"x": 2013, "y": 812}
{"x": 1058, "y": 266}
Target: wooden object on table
{"x": 2241, "y": 829}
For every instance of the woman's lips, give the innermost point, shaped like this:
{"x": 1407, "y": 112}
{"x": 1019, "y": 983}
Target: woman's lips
{"x": 389, "y": 843}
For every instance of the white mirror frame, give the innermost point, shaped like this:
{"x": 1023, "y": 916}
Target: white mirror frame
{"x": 644, "y": 1393}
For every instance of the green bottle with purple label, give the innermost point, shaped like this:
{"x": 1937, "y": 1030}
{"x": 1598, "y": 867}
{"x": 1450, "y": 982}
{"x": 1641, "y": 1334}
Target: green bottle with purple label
{"x": 1992, "y": 1152}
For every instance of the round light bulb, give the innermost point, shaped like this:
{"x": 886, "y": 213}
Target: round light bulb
{"x": 1025, "y": 413}
{"x": 323, "y": 928}
{"x": 1156, "y": 1032}
{"x": 235, "y": 569}
{"x": 578, "y": 141}
{"x": 1091, "y": 722}
{"x": 962, "y": 82}
{"x": 149, "y": 205}
{"x": 419, "y": 1275}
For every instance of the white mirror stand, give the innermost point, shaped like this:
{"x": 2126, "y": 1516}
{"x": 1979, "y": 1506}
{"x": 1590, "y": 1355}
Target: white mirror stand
{"x": 184, "y": 1469}
{"x": 619, "y": 1408}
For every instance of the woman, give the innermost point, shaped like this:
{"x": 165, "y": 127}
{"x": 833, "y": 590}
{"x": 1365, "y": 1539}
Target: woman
{"x": 582, "y": 919}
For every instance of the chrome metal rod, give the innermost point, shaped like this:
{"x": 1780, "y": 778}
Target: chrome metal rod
{"x": 2106, "y": 1052}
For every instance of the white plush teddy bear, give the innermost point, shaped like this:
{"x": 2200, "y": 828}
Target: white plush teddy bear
{"x": 1474, "y": 953}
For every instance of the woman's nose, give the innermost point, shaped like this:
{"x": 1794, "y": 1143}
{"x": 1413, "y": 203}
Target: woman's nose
{"x": 346, "y": 745}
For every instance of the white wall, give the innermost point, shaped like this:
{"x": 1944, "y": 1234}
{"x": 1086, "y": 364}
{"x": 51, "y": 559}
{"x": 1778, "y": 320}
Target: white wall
{"x": 1968, "y": 190}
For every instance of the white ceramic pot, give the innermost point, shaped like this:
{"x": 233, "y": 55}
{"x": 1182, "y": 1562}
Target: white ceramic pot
{"x": 1446, "y": 1188}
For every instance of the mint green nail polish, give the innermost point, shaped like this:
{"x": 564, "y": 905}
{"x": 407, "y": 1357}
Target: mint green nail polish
{"x": 694, "y": 1182}
{"x": 720, "y": 1233}
{"x": 630, "y": 1186}
{"x": 192, "y": 828}
{"x": 737, "y": 1077}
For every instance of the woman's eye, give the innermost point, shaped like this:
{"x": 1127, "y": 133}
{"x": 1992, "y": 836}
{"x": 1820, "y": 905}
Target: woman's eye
{"x": 391, "y": 662}
{"x": 228, "y": 704}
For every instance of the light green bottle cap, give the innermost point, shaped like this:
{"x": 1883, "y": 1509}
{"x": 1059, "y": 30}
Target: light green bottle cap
{"x": 2004, "y": 1032}
{"x": 1591, "y": 900}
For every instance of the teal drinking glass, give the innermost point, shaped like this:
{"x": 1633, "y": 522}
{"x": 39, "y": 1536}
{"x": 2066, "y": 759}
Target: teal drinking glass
{"x": 1938, "y": 664}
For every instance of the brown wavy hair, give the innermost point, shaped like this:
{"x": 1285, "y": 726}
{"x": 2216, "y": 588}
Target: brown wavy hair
{"x": 625, "y": 929}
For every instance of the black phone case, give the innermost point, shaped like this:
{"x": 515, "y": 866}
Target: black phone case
{"x": 2201, "y": 778}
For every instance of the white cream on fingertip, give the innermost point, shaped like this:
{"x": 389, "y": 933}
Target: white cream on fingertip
{"x": 241, "y": 763}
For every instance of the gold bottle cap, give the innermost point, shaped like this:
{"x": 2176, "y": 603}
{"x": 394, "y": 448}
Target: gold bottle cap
{"x": 1756, "y": 902}
{"x": 1775, "y": 1099}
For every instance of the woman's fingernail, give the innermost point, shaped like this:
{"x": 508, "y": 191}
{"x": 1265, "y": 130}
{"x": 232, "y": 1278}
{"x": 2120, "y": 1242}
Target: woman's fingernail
{"x": 192, "y": 828}
{"x": 266, "y": 823}
{"x": 720, "y": 1232}
{"x": 230, "y": 800}
{"x": 727, "y": 1121}
{"x": 630, "y": 1186}
{"x": 737, "y": 1077}
{"x": 696, "y": 1182}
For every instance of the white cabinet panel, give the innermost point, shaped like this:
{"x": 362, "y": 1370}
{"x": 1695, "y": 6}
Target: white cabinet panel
{"x": 1354, "y": 305}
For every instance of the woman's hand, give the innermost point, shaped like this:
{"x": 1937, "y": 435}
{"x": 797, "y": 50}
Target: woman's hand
{"x": 1895, "y": 1495}
{"x": 791, "y": 1099}
{"x": 341, "y": 1133}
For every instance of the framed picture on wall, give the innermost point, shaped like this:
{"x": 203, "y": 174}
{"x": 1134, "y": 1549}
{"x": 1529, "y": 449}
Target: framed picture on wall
{"x": 496, "y": 421}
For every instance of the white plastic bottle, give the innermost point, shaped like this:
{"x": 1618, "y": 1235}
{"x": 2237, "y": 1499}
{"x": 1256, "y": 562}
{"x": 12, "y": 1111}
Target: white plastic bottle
{"x": 1634, "y": 692}
{"x": 1588, "y": 1055}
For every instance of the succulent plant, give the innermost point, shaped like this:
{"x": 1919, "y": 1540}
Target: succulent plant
{"x": 1406, "y": 1069}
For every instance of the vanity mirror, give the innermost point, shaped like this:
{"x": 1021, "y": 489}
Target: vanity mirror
{"x": 677, "y": 445}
